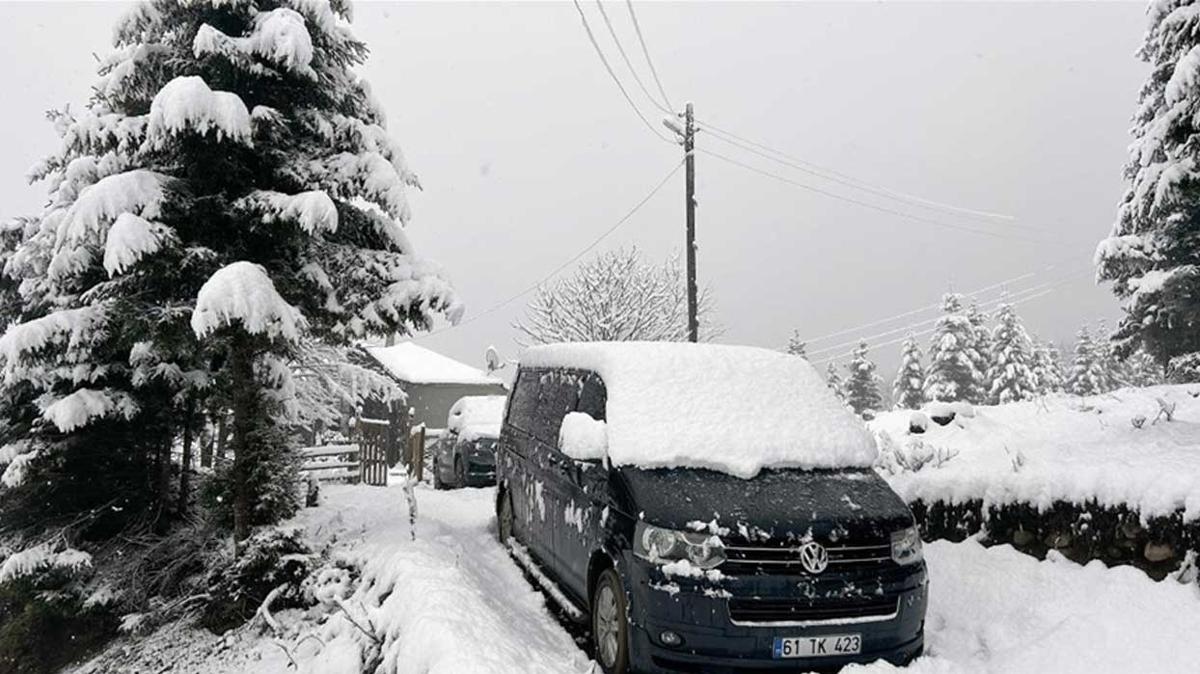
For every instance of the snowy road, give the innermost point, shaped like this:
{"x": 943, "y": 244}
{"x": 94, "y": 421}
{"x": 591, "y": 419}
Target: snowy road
{"x": 454, "y": 602}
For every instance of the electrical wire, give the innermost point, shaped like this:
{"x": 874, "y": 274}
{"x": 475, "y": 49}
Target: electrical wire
{"x": 836, "y": 176}
{"x": 628, "y": 63}
{"x": 575, "y": 258}
{"x": 822, "y": 361}
{"x": 876, "y": 207}
{"x": 646, "y": 52}
{"x": 615, "y": 79}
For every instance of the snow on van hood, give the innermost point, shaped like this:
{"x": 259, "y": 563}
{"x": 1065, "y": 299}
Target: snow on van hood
{"x": 732, "y": 409}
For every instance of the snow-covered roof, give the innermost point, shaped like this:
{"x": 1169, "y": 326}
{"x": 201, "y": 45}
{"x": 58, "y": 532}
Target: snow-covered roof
{"x": 477, "y": 416}
{"x": 734, "y": 409}
{"x": 418, "y": 365}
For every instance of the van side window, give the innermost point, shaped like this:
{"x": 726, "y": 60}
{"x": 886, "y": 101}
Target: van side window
{"x": 558, "y": 392}
{"x": 593, "y": 397}
{"x": 524, "y": 401}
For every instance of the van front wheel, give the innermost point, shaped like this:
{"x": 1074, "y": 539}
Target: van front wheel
{"x": 610, "y": 624}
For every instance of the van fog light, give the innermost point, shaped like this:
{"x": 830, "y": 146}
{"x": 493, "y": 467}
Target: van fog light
{"x": 669, "y": 638}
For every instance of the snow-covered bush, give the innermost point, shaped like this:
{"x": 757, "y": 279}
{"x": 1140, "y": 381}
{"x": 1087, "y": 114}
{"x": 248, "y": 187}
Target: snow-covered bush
{"x": 269, "y": 559}
{"x": 910, "y": 455}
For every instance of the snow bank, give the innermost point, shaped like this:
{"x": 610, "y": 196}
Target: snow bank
{"x": 130, "y": 239}
{"x": 417, "y": 365}
{"x": 1062, "y": 448}
{"x": 733, "y": 409}
{"x": 477, "y": 416}
{"x": 187, "y": 104}
{"x": 242, "y": 292}
{"x": 582, "y": 437}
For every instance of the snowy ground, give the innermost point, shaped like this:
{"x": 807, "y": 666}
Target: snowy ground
{"x": 453, "y": 601}
{"x": 1062, "y": 448}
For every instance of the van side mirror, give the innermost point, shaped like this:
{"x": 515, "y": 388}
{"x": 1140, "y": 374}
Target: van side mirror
{"x": 583, "y": 438}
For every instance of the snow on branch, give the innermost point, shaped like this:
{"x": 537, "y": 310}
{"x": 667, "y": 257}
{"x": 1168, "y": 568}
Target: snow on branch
{"x": 80, "y": 408}
{"x": 41, "y": 558}
{"x": 187, "y": 104}
{"x": 243, "y": 292}
{"x": 130, "y": 239}
{"x": 278, "y": 36}
{"x": 70, "y": 326}
{"x": 314, "y": 211}
{"x": 139, "y": 192}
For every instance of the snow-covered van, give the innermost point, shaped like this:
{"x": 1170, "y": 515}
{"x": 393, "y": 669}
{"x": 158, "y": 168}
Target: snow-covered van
{"x": 465, "y": 455}
{"x": 706, "y": 508}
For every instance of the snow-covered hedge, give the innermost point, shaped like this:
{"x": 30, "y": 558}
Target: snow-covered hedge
{"x": 1113, "y": 477}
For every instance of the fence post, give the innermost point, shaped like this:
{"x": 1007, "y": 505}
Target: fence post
{"x": 417, "y": 453}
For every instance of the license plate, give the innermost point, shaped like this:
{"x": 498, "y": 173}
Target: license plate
{"x": 816, "y": 647}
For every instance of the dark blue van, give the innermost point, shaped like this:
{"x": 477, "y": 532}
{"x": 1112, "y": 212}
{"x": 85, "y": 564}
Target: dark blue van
{"x": 682, "y": 560}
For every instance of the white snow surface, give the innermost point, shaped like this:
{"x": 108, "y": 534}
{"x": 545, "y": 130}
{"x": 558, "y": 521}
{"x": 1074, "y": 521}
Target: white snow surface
{"x": 187, "y": 104}
{"x": 242, "y": 292}
{"x": 453, "y": 601}
{"x": 582, "y": 437}
{"x": 733, "y": 409}
{"x": 130, "y": 239}
{"x": 417, "y": 365}
{"x": 477, "y": 416}
{"x": 1063, "y": 448}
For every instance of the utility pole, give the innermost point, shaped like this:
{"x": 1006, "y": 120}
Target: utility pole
{"x": 689, "y": 157}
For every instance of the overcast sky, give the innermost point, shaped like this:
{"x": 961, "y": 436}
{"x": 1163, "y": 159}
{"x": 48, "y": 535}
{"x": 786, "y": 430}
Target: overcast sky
{"x": 527, "y": 151}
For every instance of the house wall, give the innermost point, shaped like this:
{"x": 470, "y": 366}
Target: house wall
{"x": 431, "y": 403}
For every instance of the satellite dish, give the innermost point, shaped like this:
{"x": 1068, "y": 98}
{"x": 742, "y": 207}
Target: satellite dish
{"x": 493, "y": 359}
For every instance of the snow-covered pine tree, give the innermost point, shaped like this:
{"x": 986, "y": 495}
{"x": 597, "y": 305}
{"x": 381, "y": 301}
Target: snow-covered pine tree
{"x": 982, "y": 356}
{"x": 862, "y": 385}
{"x": 909, "y": 387}
{"x": 1142, "y": 370}
{"x": 1047, "y": 367}
{"x": 952, "y": 374}
{"x": 797, "y": 346}
{"x": 1150, "y": 256}
{"x": 229, "y": 191}
{"x": 1012, "y": 374}
{"x": 834, "y": 380}
{"x": 1087, "y": 375}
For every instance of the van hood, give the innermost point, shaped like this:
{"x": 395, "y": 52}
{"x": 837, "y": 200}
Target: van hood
{"x": 852, "y": 504}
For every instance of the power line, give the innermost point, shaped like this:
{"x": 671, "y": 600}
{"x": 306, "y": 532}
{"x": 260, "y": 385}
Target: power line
{"x": 882, "y": 209}
{"x": 1017, "y": 296}
{"x": 822, "y": 361}
{"x": 496, "y": 307}
{"x": 646, "y": 52}
{"x": 935, "y": 305}
{"x": 628, "y": 63}
{"x": 878, "y": 191}
{"x": 836, "y": 176}
{"x": 613, "y": 75}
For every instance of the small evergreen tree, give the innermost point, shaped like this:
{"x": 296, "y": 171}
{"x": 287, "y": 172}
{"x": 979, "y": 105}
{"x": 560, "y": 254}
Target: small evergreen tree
{"x": 909, "y": 387}
{"x": 834, "y": 380}
{"x": 982, "y": 357}
{"x": 797, "y": 346}
{"x": 1142, "y": 370}
{"x": 1088, "y": 375}
{"x": 1150, "y": 256}
{"x": 862, "y": 386}
{"x": 1012, "y": 374}
{"x": 952, "y": 358}
{"x": 1047, "y": 368}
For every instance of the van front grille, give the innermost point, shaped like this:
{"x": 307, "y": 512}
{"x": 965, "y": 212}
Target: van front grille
{"x": 785, "y": 559}
{"x": 847, "y": 610}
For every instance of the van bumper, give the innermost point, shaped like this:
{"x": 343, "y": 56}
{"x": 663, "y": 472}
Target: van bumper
{"x": 698, "y": 611}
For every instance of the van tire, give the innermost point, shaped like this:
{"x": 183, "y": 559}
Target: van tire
{"x": 610, "y": 623}
{"x": 504, "y": 519}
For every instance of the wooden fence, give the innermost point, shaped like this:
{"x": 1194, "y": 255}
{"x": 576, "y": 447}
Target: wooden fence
{"x": 364, "y": 460}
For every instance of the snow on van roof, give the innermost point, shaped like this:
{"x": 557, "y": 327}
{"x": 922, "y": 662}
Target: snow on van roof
{"x": 734, "y": 409}
{"x": 477, "y": 416}
{"x": 418, "y": 365}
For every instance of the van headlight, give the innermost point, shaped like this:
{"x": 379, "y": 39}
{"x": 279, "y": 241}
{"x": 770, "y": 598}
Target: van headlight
{"x": 656, "y": 544}
{"x": 906, "y": 546}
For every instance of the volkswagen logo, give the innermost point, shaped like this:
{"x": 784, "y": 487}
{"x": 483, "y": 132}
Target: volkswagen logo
{"x": 814, "y": 557}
